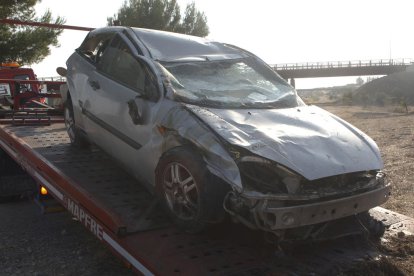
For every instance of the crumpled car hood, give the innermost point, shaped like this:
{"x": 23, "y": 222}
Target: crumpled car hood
{"x": 306, "y": 139}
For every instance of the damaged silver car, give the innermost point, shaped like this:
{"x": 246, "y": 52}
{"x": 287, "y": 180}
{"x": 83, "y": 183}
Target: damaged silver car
{"x": 212, "y": 129}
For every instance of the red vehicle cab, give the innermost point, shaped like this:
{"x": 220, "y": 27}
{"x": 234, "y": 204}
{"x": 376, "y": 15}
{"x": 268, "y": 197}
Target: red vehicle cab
{"x": 15, "y": 80}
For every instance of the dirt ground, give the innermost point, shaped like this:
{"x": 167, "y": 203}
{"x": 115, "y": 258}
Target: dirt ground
{"x": 394, "y": 134}
{"x": 397, "y": 258}
{"x": 53, "y": 244}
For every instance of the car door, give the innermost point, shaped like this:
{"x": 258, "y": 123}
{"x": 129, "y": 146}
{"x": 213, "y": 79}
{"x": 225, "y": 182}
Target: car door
{"x": 81, "y": 67}
{"x": 122, "y": 105}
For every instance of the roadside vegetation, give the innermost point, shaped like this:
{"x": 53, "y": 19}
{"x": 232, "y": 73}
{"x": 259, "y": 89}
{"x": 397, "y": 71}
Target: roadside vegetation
{"x": 26, "y": 44}
{"x": 162, "y": 15}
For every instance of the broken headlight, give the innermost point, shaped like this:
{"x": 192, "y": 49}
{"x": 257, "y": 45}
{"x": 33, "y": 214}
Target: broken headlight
{"x": 344, "y": 183}
{"x": 267, "y": 176}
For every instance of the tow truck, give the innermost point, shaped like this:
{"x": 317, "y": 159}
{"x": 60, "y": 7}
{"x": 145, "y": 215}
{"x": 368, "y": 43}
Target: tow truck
{"x": 127, "y": 218}
{"x": 23, "y": 102}
{"x": 19, "y": 88}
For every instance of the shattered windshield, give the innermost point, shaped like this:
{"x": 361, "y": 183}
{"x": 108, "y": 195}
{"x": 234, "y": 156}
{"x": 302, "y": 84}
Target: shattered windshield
{"x": 241, "y": 83}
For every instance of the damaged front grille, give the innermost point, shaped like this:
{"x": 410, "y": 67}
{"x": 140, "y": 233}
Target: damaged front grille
{"x": 340, "y": 184}
{"x": 261, "y": 176}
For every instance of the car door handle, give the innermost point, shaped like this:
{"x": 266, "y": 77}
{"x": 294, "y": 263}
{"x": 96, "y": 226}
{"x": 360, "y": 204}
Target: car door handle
{"x": 94, "y": 84}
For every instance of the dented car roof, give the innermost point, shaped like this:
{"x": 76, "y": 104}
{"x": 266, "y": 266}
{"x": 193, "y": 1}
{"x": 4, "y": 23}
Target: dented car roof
{"x": 166, "y": 46}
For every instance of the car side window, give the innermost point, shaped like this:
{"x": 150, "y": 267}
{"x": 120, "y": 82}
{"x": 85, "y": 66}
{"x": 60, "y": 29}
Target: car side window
{"x": 119, "y": 63}
{"x": 94, "y": 46}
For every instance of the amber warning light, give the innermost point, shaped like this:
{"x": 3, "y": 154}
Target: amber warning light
{"x": 10, "y": 64}
{"x": 43, "y": 190}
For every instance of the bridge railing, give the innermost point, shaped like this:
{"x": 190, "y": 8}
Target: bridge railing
{"x": 341, "y": 64}
{"x": 58, "y": 78}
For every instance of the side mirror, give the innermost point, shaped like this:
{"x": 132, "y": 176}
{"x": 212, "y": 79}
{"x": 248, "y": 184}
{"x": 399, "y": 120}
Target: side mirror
{"x": 134, "y": 112}
{"x": 150, "y": 90}
{"x": 62, "y": 71}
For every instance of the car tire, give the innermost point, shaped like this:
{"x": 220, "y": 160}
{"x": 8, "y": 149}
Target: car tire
{"x": 190, "y": 194}
{"x": 76, "y": 137}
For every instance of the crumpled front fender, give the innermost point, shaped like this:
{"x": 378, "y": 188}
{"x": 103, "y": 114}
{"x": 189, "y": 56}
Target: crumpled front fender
{"x": 181, "y": 125}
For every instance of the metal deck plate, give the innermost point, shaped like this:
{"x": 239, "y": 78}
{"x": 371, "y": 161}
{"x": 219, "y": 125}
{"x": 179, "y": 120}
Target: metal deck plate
{"x": 97, "y": 173}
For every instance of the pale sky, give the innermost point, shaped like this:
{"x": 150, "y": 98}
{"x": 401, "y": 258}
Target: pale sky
{"x": 277, "y": 31}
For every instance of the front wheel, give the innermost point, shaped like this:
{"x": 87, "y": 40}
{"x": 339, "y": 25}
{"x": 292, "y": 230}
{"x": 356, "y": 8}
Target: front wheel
{"x": 76, "y": 138}
{"x": 191, "y": 195}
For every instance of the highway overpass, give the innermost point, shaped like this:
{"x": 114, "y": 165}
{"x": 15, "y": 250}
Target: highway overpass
{"x": 341, "y": 68}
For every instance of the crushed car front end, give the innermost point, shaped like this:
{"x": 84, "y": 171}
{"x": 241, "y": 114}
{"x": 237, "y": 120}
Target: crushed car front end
{"x": 305, "y": 202}
{"x": 289, "y": 165}
{"x": 299, "y": 166}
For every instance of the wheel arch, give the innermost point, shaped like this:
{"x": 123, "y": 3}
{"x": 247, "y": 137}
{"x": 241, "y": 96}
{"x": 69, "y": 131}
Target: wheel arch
{"x": 184, "y": 129}
{"x": 211, "y": 189}
{"x": 79, "y": 137}
{"x": 64, "y": 92}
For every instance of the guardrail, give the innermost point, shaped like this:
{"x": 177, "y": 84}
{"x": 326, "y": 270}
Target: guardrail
{"x": 343, "y": 64}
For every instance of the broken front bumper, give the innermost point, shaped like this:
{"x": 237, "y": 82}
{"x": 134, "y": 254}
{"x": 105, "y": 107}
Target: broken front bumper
{"x": 267, "y": 214}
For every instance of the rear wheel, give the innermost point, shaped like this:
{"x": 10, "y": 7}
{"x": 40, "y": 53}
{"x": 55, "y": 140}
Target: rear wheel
{"x": 190, "y": 193}
{"x": 75, "y": 136}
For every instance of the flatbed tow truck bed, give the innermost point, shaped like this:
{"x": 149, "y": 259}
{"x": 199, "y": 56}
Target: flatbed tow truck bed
{"x": 124, "y": 216}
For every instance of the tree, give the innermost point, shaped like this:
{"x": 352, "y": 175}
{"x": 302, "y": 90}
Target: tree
{"x": 26, "y": 44}
{"x": 161, "y": 15}
{"x": 359, "y": 81}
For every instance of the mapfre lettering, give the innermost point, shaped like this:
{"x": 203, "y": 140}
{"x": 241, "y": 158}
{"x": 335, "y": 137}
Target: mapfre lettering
{"x": 84, "y": 218}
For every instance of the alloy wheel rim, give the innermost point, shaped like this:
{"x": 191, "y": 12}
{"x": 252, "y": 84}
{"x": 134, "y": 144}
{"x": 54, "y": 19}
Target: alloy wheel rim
{"x": 180, "y": 191}
{"x": 69, "y": 123}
